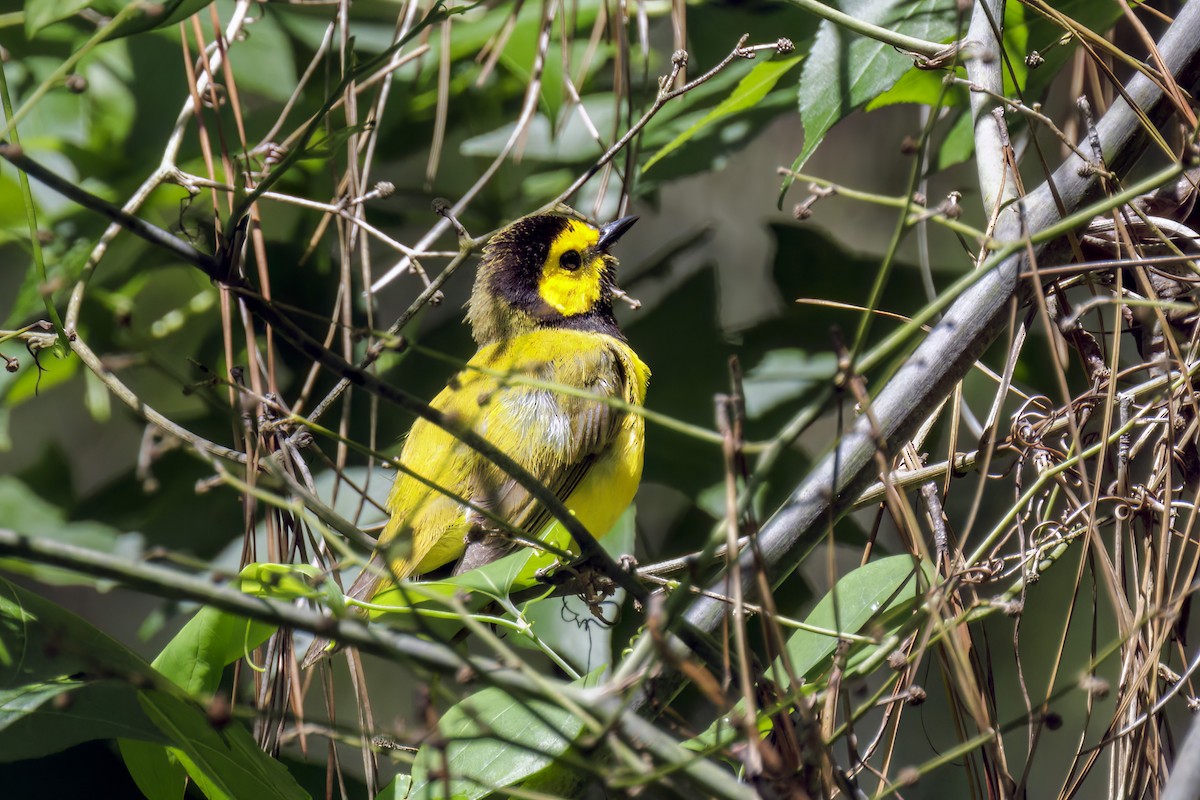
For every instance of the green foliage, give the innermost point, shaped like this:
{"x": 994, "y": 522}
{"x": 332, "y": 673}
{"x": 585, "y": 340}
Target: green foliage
{"x": 491, "y": 740}
{"x": 884, "y": 594}
{"x": 225, "y": 763}
{"x": 309, "y": 115}
{"x": 148, "y": 18}
{"x": 62, "y": 682}
{"x": 844, "y": 70}
{"x": 749, "y": 92}
{"x": 881, "y": 598}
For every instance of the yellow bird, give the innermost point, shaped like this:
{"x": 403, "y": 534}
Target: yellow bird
{"x": 541, "y": 309}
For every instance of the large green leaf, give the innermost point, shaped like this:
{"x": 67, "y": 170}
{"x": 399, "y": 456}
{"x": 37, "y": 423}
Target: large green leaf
{"x": 38, "y": 376}
{"x": 488, "y": 741}
{"x": 225, "y": 763}
{"x": 844, "y": 70}
{"x": 197, "y": 656}
{"x": 881, "y": 595}
{"x": 41, "y": 718}
{"x": 154, "y": 768}
{"x": 926, "y": 86}
{"x": 43, "y": 13}
{"x": 41, "y": 642}
{"x": 783, "y": 375}
{"x": 883, "y": 592}
{"x": 62, "y": 682}
{"x": 958, "y": 143}
{"x": 195, "y": 660}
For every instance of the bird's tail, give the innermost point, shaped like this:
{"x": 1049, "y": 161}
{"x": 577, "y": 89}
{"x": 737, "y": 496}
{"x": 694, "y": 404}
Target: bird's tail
{"x": 363, "y": 588}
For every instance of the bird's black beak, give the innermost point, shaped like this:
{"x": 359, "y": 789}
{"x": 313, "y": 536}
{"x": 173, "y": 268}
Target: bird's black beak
{"x": 613, "y": 231}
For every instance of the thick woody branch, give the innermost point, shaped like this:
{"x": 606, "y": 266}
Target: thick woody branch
{"x": 968, "y": 327}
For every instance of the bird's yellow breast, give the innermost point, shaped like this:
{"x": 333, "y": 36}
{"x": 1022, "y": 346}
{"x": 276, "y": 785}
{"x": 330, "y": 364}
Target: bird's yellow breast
{"x": 427, "y": 527}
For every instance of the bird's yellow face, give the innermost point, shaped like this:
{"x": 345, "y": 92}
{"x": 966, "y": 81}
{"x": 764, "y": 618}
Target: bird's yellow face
{"x": 546, "y": 271}
{"x": 572, "y": 279}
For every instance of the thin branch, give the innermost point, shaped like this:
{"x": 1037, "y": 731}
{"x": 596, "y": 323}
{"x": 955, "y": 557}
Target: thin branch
{"x": 909, "y": 44}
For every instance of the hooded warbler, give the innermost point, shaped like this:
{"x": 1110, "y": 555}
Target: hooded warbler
{"x": 541, "y": 308}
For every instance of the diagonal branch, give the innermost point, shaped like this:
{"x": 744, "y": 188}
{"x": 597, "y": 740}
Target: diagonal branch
{"x": 969, "y": 326}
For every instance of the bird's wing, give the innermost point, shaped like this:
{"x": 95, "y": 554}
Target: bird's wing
{"x": 556, "y": 436}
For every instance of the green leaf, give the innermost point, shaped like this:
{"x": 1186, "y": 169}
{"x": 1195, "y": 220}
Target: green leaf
{"x": 926, "y": 85}
{"x": 195, "y": 658}
{"x": 1016, "y": 47}
{"x": 97, "y": 397}
{"x": 572, "y": 143}
{"x": 326, "y": 144}
{"x": 42, "y": 710}
{"x": 747, "y": 94}
{"x": 1040, "y": 33}
{"x": 157, "y": 773}
{"x": 923, "y": 86}
{"x": 151, "y": 16}
{"x": 844, "y": 70}
{"x": 883, "y": 592}
{"x": 398, "y": 789}
{"x": 164, "y": 15}
{"x": 225, "y": 763}
{"x": 36, "y": 377}
{"x": 38, "y": 719}
{"x": 524, "y": 46}
{"x": 40, "y": 641}
{"x": 64, "y": 259}
{"x": 491, "y": 740}
{"x": 281, "y": 581}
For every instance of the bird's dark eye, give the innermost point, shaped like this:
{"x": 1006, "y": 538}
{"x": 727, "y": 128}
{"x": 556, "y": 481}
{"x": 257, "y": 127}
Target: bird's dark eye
{"x": 570, "y": 260}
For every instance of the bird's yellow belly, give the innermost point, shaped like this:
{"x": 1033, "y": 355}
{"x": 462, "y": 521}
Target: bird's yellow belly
{"x": 608, "y": 488}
